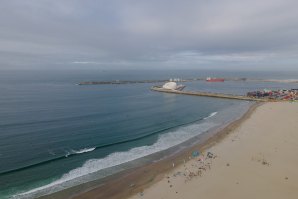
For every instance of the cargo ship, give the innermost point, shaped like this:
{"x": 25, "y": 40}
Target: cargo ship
{"x": 209, "y": 79}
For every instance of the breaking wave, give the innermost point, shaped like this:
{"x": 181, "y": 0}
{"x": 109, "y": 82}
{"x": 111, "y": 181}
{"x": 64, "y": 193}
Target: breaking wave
{"x": 211, "y": 115}
{"x": 71, "y": 152}
{"x": 85, "y": 150}
{"x": 78, "y": 175}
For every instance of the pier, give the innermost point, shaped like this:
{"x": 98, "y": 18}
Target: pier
{"x": 207, "y": 94}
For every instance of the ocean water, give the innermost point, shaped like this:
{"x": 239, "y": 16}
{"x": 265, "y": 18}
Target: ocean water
{"x": 55, "y": 134}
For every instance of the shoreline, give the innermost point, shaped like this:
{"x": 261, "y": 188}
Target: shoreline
{"x": 129, "y": 182}
{"x": 256, "y": 160}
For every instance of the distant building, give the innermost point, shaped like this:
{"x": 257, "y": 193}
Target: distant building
{"x": 173, "y": 86}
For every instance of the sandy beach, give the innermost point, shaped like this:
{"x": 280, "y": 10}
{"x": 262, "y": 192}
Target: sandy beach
{"x": 253, "y": 157}
{"x": 258, "y": 159}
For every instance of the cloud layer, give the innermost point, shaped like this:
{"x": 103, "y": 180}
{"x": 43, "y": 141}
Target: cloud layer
{"x": 139, "y": 34}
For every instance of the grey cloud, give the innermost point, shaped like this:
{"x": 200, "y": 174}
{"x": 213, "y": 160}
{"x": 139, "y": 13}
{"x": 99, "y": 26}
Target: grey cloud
{"x": 169, "y": 33}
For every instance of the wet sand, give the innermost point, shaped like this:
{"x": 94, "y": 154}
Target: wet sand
{"x": 257, "y": 159}
{"x": 139, "y": 180}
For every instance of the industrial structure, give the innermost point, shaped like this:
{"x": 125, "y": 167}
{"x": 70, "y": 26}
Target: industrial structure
{"x": 260, "y": 96}
{"x": 173, "y": 86}
{"x": 284, "y": 94}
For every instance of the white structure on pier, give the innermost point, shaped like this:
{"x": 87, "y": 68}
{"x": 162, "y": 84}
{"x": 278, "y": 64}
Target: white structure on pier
{"x": 172, "y": 86}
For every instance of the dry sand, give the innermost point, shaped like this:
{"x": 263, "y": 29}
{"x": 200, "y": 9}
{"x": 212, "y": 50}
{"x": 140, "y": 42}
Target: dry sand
{"x": 258, "y": 159}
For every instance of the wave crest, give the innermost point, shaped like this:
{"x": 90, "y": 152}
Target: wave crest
{"x": 211, "y": 115}
{"x": 164, "y": 142}
{"x": 85, "y": 150}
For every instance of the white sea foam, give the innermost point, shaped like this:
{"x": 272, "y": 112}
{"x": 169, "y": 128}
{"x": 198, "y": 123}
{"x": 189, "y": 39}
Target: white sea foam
{"x": 85, "y": 150}
{"x": 164, "y": 142}
{"x": 211, "y": 115}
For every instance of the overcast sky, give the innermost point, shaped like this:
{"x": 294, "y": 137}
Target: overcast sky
{"x": 151, "y": 34}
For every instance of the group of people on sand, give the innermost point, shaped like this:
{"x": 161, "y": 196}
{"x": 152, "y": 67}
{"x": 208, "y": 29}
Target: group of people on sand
{"x": 202, "y": 163}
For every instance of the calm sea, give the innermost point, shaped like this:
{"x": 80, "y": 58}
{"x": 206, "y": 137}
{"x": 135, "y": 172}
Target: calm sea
{"x": 54, "y": 133}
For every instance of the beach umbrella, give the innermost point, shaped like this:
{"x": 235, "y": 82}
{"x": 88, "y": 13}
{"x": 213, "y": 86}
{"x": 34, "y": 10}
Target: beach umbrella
{"x": 195, "y": 153}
